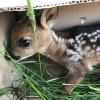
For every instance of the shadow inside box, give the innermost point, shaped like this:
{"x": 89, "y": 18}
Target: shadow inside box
{"x": 50, "y": 68}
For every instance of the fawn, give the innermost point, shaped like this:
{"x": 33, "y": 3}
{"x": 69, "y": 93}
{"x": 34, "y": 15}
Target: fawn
{"x": 77, "y": 48}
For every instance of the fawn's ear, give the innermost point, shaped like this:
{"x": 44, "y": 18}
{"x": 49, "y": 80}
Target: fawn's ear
{"x": 48, "y": 17}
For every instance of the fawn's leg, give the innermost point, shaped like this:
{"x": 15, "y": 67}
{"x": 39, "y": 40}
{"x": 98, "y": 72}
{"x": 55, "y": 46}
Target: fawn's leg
{"x": 77, "y": 72}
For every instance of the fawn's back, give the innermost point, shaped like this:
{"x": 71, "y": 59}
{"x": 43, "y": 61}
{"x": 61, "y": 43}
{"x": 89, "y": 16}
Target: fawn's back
{"x": 83, "y": 42}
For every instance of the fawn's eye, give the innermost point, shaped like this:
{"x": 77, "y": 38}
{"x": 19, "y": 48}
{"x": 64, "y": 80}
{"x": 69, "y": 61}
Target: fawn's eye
{"x": 24, "y": 42}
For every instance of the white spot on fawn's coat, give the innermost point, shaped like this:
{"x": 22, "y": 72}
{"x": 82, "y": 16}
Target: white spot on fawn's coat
{"x": 87, "y": 48}
{"x": 71, "y": 41}
{"x": 74, "y": 55}
{"x": 98, "y": 49}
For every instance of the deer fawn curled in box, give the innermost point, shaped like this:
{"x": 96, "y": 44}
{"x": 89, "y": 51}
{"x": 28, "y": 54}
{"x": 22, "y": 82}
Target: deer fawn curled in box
{"x": 77, "y": 49}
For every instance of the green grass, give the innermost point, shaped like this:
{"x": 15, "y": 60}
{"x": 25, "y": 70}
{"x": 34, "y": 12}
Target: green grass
{"x": 49, "y": 88}
{"x": 36, "y": 81}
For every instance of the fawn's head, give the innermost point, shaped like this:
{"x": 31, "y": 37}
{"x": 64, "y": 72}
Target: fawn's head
{"x": 23, "y": 40}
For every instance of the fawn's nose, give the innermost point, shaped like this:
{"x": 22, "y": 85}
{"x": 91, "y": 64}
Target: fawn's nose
{"x": 8, "y": 57}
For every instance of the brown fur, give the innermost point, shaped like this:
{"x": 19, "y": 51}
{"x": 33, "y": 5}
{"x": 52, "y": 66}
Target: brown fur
{"x": 44, "y": 42}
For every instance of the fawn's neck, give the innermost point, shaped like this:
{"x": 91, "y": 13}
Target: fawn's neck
{"x": 53, "y": 49}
